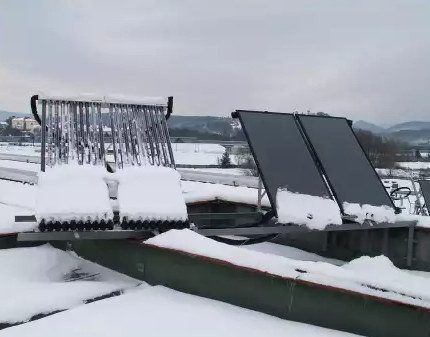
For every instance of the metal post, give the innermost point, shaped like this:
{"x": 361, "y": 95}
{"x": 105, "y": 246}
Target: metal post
{"x": 81, "y": 140}
{"x": 144, "y": 135}
{"x": 150, "y": 138}
{"x": 113, "y": 131}
{"x": 385, "y": 241}
{"x": 167, "y": 137}
{"x": 155, "y": 134}
{"x": 410, "y": 244}
{"x": 43, "y": 131}
{"x": 102, "y": 142}
{"x": 159, "y": 116}
{"x": 260, "y": 193}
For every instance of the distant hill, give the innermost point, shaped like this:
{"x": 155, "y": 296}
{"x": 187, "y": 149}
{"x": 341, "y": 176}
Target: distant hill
{"x": 415, "y": 137}
{"x": 212, "y": 127}
{"x": 203, "y": 123}
{"x": 413, "y": 132}
{"x": 6, "y": 114}
{"x": 226, "y": 128}
{"x": 414, "y": 125}
{"x": 362, "y": 125}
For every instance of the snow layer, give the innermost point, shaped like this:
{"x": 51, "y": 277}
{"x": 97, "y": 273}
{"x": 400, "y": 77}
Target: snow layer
{"x": 199, "y": 153}
{"x": 390, "y": 282}
{"x": 17, "y": 194}
{"x": 32, "y": 281}
{"x": 15, "y": 199}
{"x": 152, "y": 193}
{"x": 159, "y": 311}
{"x": 73, "y": 192}
{"x": 291, "y": 252}
{"x": 311, "y": 211}
{"x": 7, "y": 220}
{"x": 368, "y": 212}
{"x": 198, "y": 192}
{"x": 22, "y": 150}
{"x": 21, "y": 165}
{"x": 198, "y": 148}
{"x": 421, "y": 220}
{"x": 416, "y": 165}
{"x": 229, "y": 171}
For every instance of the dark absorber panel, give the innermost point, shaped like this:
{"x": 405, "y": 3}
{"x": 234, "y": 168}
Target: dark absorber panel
{"x": 350, "y": 173}
{"x": 425, "y": 190}
{"x": 281, "y": 154}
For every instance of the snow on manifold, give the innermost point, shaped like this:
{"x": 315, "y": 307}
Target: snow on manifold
{"x": 73, "y": 192}
{"x": 151, "y": 193}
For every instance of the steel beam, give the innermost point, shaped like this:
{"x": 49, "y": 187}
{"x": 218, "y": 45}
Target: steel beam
{"x": 84, "y": 235}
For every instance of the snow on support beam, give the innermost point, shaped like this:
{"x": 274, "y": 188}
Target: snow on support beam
{"x": 292, "y": 293}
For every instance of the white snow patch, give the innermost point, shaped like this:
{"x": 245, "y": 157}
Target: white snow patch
{"x": 20, "y": 165}
{"x": 16, "y": 194}
{"x": 162, "y": 312}
{"x": 21, "y": 150}
{"x": 32, "y": 281}
{"x": 355, "y": 276}
{"x": 15, "y": 199}
{"x": 7, "y": 220}
{"x": 302, "y": 209}
{"x": 198, "y": 148}
{"x": 73, "y": 192}
{"x": 421, "y": 220}
{"x": 152, "y": 193}
{"x": 226, "y": 171}
{"x": 416, "y": 165}
{"x": 368, "y": 212}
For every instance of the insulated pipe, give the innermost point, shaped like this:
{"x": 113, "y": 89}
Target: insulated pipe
{"x": 33, "y": 104}
{"x": 169, "y": 107}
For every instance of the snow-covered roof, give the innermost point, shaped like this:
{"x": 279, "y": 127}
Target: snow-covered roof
{"x": 37, "y": 280}
{"x": 162, "y": 312}
{"x": 376, "y": 277}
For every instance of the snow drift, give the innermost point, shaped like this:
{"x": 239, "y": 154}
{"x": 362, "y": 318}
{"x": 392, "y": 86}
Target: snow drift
{"x": 34, "y": 281}
{"x": 371, "y": 276}
{"x": 368, "y": 212}
{"x": 302, "y": 209}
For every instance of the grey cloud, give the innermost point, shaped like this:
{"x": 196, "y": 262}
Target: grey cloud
{"x": 364, "y": 59}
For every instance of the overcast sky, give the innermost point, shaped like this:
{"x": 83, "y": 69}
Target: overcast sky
{"x": 361, "y": 59}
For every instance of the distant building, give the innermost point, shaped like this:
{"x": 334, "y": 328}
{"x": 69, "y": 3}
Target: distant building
{"x": 25, "y": 123}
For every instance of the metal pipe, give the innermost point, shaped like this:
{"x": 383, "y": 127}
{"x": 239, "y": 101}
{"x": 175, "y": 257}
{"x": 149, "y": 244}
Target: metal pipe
{"x": 113, "y": 131}
{"x": 101, "y": 135}
{"x": 43, "y": 145}
{"x": 154, "y": 133}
